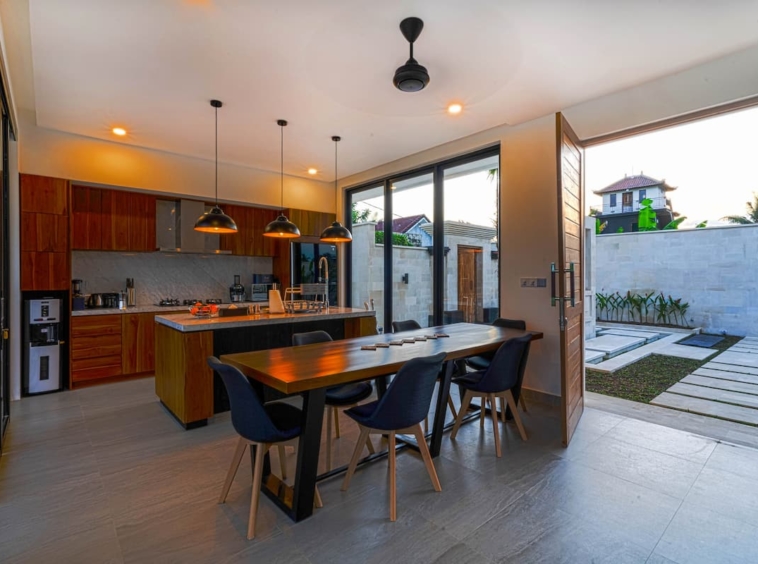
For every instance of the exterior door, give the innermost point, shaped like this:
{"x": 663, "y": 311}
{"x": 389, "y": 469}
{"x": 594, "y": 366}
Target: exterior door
{"x": 626, "y": 202}
{"x": 570, "y": 290}
{"x": 470, "y": 283}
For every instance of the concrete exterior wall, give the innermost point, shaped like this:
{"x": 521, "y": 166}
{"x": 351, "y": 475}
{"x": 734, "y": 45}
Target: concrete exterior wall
{"x": 713, "y": 269}
{"x": 590, "y": 278}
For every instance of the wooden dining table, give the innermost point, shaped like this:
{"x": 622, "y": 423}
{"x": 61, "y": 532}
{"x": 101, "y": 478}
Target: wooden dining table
{"x": 310, "y": 369}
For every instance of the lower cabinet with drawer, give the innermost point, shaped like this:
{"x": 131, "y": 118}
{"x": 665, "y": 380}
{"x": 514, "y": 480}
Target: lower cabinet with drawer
{"x": 95, "y": 347}
{"x": 106, "y": 346}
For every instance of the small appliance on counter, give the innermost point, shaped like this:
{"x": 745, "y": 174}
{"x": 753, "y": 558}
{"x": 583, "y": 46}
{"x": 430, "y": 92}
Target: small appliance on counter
{"x": 42, "y": 346}
{"x": 262, "y": 283}
{"x": 237, "y": 291}
{"x": 110, "y": 300}
{"x": 78, "y": 302}
{"x": 131, "y": 293}
{"x": 95, "y": 300}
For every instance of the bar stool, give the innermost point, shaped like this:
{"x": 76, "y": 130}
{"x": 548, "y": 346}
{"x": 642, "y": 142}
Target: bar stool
{"x": 498, "y": 380}
{"x": 258, "y": 425}
{"x": 337, "y": 397}
{"x": 400, "y": 410}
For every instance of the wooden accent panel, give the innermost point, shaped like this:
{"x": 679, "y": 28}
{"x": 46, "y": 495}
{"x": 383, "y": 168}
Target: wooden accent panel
{"x": 86, "y": 218}
{"x": 95, "y": 347}
{"x": 138, "y": 342}
{"x": 141, "y": 222}
{"x": 281, "y": 262}
{"x": 570, "y": 157}
{"x": 44, "y": 232}
{"x": 115, "y": 220}
{"x": 44, "y": 271}
{"x": 183, "y": 380}
{"x": 311, "y": 222}
{"x": 42, "y": 194}
{"x": 360, "y": 327}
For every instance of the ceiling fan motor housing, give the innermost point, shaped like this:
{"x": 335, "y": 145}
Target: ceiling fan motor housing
{"x": 411, "y": 77}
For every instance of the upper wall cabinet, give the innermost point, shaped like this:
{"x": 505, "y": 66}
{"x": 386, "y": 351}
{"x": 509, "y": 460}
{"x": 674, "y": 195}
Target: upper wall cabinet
{"x": 311, "y": 223}
{"x": 249, "y": 239}
{"x": 44, "y": 233}
{"x": 112, "y": 220}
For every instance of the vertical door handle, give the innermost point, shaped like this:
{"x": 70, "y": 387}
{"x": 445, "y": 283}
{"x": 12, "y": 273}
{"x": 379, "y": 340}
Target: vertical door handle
{"x": 572, "y": 283}
{"x": 553, "y": 295}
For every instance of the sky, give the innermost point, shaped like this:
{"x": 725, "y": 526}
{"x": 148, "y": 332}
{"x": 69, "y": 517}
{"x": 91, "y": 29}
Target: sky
{"x": 711, "y": 162}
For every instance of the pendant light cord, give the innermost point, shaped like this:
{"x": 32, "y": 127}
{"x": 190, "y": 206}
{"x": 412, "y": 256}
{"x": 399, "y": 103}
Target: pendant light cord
{"x": 336, "y": 190}
{"x": 281, "y": 163}
{"x": 216, "y": 108}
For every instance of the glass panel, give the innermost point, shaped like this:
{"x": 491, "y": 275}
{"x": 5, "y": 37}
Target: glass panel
{"x": 471, "y": 289}
{"x": 412, "y": 213}
{"x": 312, "y": 262}
{"x": 367, "y": 275}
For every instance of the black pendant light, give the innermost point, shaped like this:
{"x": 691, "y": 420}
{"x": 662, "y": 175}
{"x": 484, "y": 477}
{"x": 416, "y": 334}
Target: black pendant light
{"x": 336, "y": 232}
{"x": 282, "y": 227}
{"x": 216, "y": 221}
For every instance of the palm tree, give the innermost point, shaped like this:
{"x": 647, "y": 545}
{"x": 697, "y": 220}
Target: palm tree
{"x": 751, "y": 216}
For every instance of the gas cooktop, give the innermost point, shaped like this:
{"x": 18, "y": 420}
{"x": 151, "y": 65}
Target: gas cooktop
{"x": 173, "y": 302}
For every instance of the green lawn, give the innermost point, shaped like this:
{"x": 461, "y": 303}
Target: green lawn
{"x": 651, "y": 376}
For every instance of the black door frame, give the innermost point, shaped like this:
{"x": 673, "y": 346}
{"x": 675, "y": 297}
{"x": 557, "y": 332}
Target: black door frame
{"x": 438, "y": 250}
{"x": 7, "y": 133}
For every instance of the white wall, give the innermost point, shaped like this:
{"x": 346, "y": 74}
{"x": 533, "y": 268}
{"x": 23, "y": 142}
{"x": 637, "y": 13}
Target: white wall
{"x": 53, "y": 153}
{"x": 712, "y": 269}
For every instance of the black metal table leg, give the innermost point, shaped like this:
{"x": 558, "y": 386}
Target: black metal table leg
{"x": 438, "y": 426}
{"x": 307, "y": 454}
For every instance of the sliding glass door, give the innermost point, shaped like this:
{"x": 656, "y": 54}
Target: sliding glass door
{"x": 442, "y": 264}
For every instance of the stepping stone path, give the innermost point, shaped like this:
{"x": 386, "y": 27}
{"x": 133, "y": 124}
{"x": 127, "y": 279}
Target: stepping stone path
{"x": 726, "y": 387}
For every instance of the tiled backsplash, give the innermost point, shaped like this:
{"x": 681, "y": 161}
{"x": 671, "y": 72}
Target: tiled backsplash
{"x": 166, "y": 275}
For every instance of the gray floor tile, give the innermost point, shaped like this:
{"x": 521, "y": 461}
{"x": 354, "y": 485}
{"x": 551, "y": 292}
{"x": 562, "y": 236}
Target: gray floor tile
{"x": 462, "y": 554}
{"x": 697, "y": 535}
{"x": 726, "y": 493}
{"x": 738, "y": 460}
{"x": 660, "y": 472}
{"x": 656, "y": 558}
{"x": 663, "y": 439}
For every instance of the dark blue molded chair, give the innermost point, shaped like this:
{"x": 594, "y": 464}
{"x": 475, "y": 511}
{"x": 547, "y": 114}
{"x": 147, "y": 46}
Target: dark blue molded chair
{"x": 400, "y": 410}
{"x": 412, "y": 325}
{"x": 482, "y": 362}
{"x": 498, "y": 380}
{"x": 257, "y": 425}
{"x": 337, "y": 397}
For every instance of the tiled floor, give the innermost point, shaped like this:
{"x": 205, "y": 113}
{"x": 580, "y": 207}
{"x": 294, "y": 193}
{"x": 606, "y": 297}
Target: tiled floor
{"x": 105, "y": 475}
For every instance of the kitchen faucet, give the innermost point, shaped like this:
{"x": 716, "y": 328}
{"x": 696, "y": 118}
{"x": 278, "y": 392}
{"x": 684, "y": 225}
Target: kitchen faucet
{"x": 325, "y": 278}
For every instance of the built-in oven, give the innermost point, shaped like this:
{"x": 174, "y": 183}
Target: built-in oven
{"x": 42, "y": 347}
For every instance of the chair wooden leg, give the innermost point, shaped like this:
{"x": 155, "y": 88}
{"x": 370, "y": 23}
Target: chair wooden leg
{"x": 522, "y": 401}
{"x": 502, "y": 408}
{"x": 260, "y": 453}
{"x": 495, "y": 428}
{"x": 423, "y": 448}
{"x": 238, "y": 453}
{"x": 282, "y": 460}
{"x": 451, "y": 405}
{"x": 317, "y": 499}
{"x": 482, "y": 412}
{"x": 516, "y": 416}
{"x": 393, "y": 478}
{"x": 465, "y": 402}
{"x": 370, "y": 445}
{"x": 336, "y": 422}
{"x": 362, "y": 438}
{"x": 329, "y": 439}
{"x": 426, "y": 424}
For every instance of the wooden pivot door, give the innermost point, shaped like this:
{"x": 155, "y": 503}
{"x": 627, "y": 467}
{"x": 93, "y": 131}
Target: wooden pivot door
{"x": 570, "y": 276}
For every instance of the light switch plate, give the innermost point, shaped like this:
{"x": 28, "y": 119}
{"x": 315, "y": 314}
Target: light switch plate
{"x": 534, "y": 282}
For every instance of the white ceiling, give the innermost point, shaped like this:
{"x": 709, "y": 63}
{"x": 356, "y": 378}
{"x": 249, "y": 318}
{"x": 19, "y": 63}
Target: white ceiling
{"x": 326, "y": 66}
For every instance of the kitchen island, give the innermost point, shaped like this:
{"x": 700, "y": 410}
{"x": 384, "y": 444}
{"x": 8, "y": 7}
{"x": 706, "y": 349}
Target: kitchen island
{"x": 185, "y": 384}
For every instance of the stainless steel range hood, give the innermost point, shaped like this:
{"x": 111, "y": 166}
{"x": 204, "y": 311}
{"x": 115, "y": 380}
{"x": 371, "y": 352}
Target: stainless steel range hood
{"x": 175, "y": 222}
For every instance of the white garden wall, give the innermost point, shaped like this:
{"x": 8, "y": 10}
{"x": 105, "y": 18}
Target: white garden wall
{"x": 715, "y": 270}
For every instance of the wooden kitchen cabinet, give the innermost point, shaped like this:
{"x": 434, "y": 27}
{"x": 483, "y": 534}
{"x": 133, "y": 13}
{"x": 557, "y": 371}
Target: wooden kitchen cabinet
{"x": 115, "y": 218}
{"x": 141, "y": 222}
{"x": 236, "y": 242}
{"x": 44, "y": 218}
{"x": 86, "y": 218}
{"x": 257, "y": 244}
{"x": 138, "y": 343}
{"x": 96, "y": 347}
{"x": 311, "y": 223}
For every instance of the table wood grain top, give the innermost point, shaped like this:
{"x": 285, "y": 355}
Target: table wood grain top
{"x": 294, "y": 370}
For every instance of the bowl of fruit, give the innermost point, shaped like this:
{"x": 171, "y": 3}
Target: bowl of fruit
{"x": 201, "y": 310}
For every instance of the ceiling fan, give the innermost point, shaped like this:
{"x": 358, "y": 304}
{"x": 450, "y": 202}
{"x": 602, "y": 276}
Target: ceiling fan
{"x": 411, "y": 77}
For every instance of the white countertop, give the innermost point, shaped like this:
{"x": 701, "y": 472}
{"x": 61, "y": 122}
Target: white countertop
{"x": 145, "y": 309}
{"x": 187, "y": 323}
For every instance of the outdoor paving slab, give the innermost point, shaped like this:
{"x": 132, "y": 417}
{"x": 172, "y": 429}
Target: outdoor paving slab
{"x": 704, "y": 407}
{"x": 725, "y": 375}
{"x": 739, "y": 349}
{"x": 715, "y": 364}
{"x": 728, "y": 385}
{"x": 632, "y": 356}
{"x": 647, "y": 335}
{"x": 735, "y": 398}
{"x": 682, "y": 351}
{"x": 739, "y": 359}
{"x": 613, "y": 344}
{"x": 591, "y": 356}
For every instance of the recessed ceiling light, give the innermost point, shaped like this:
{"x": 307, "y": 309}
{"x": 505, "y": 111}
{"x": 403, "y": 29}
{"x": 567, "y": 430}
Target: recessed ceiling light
{"x": 454, "y": 109}
{"x": 312, "y": 171}
{"x": 120, "y": 131}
